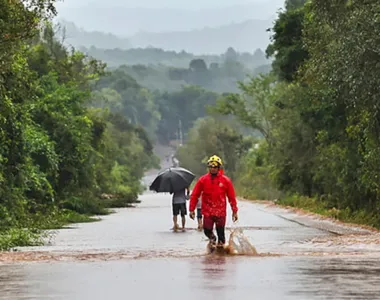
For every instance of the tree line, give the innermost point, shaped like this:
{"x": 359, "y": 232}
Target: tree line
{"x": 115, "y": 57}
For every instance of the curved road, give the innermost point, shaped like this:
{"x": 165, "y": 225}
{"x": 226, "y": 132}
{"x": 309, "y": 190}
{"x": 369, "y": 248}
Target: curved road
{"x": 134, "y": 254}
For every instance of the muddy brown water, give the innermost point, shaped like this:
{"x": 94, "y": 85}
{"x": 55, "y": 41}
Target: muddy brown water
{"x": 133, "y": 253}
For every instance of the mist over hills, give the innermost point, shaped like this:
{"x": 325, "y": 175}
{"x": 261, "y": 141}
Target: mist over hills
{"x": 191, "y": 26}
{"x": 72, "y": 35}
{"x": 244, "y": 37}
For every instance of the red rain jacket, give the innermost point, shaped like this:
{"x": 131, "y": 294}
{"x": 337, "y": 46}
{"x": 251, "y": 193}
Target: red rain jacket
{"x": 214, "y": 190}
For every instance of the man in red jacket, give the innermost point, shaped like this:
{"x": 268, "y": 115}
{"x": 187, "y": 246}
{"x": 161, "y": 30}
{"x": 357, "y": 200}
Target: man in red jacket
{"x": 214, "y": 187}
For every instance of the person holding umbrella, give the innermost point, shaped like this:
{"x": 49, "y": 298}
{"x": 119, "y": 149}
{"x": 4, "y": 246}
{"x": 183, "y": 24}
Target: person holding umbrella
{"x": 214, "y": 188}
{"x": 179, "y": 207}
{"x": 176, "y": 181}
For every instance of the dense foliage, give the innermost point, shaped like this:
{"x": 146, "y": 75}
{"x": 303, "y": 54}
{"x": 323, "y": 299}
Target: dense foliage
{"x": 319, "y": 114}
{"x": 59, "y": 152}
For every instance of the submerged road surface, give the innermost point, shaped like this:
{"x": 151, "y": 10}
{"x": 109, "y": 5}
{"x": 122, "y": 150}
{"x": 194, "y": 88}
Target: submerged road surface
{"x": 133, "y": 254}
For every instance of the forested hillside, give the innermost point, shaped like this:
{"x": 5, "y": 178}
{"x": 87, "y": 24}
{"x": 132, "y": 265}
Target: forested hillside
{"x": 156, "y": 56}
{"x": 169, "y": 71}
{"x": 317, "y": 113}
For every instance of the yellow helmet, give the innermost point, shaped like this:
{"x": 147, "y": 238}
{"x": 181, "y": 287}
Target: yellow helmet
{"x": 215, "y": 160}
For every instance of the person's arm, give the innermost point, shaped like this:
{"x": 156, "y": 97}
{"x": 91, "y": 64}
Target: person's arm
{"x": 196, "y": 194}
{"x": 232, "y": 196}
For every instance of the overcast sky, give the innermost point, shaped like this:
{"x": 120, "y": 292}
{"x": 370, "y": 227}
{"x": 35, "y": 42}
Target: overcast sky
{"x": 126, "y": 17}
{"x": 182, "y": 4}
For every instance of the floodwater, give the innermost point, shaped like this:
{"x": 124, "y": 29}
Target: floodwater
{"x": 134, "y": 254}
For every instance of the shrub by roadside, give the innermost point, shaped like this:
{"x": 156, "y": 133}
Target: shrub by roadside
{"x": 360, "y": 217}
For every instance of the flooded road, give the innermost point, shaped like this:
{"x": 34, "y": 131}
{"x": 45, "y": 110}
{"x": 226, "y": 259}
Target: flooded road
{"x": 133, "y": 253}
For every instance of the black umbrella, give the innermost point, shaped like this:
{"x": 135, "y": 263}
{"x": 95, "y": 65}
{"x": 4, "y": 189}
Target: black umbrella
{"x": 172, "y": 180}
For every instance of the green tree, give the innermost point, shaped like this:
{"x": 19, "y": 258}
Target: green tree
{"x": 182, "y": 108}
{"x": 287, "y": 46}
{"x": 211, "y": 136}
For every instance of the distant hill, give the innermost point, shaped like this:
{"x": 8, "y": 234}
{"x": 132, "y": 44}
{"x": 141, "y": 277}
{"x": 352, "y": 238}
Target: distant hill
{"x": 78, "y": 37}
{"x": 244, "y": 37}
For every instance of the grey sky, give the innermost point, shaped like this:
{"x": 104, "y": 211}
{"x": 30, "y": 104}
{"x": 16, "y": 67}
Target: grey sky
{"x": 182, "y": 4}
{"x": 128, "y": 17}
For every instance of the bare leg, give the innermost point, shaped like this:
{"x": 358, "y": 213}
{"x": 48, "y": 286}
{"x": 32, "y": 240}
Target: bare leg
{"x": 200, "y": 225}
{"x": 175, "y": 223}
{"x": 183, "y": 222}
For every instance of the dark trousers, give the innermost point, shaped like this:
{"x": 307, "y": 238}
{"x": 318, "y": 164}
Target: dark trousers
{"x": 208, "y": 227}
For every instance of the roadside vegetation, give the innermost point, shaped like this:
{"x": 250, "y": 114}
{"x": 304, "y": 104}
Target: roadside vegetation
{"x": 316, "y": 115}
{"x": 59, "y": 152}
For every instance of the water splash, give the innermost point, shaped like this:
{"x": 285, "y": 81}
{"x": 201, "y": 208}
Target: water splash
{"x": 239, "y": 244}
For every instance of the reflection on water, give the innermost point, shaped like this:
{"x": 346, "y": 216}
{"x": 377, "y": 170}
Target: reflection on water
{"x": 339, "y": 278}
{"x": 12, "y": 281}
{"x": 214, "y": 275}
{"x": 213, "y": 266}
